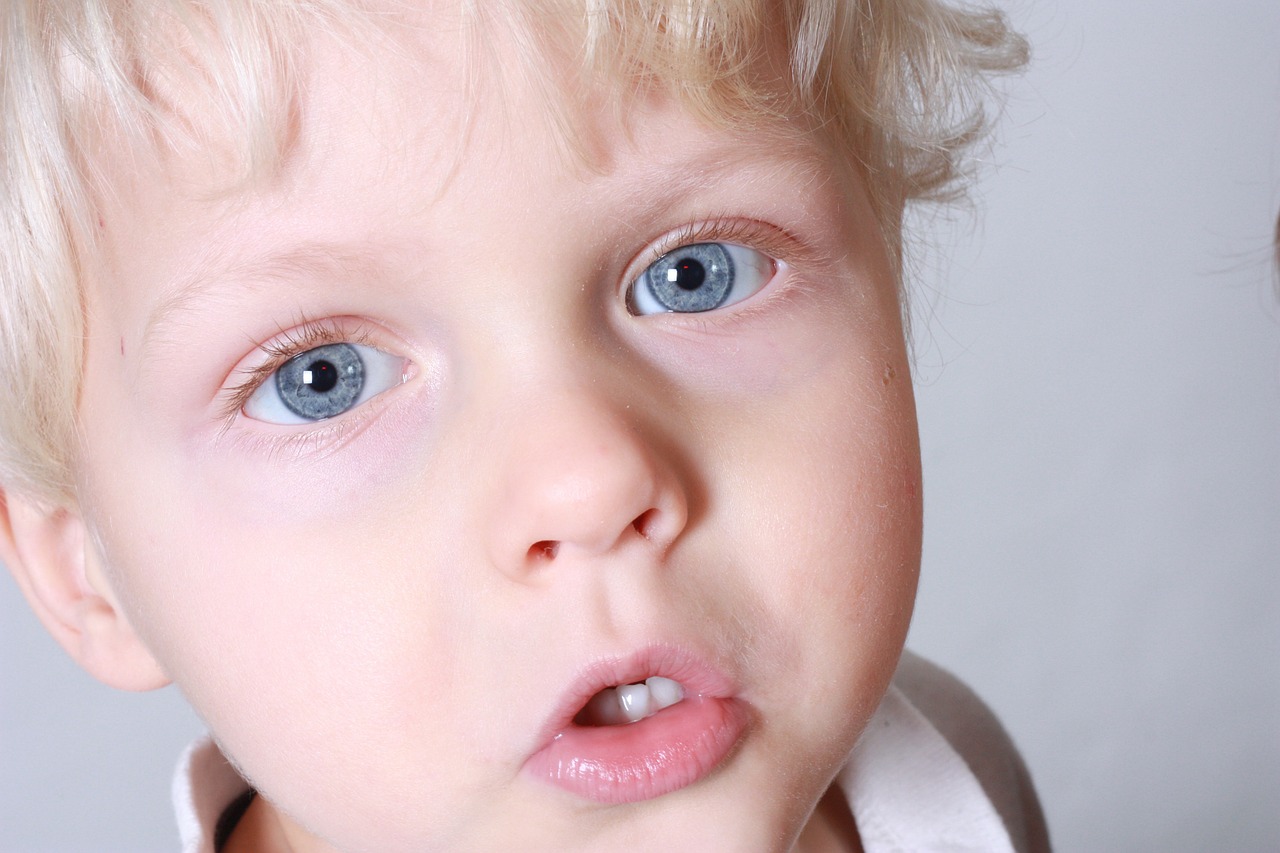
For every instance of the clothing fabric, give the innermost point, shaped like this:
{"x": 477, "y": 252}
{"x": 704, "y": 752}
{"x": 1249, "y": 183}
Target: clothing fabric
{"x": 934, "y": 772}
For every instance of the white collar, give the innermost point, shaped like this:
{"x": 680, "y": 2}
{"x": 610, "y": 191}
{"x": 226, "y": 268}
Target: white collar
{"x": 910, "y": 791}
{"x": 204, "y": 785}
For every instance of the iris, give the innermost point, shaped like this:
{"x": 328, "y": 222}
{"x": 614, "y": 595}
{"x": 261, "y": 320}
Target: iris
{"x": 694, "y": 278}
{"x": 321, "y": 383}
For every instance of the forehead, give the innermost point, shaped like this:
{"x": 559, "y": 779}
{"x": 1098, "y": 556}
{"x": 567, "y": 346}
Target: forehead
{"x": 570, "y": 67}
{"x": 432, "y": 111}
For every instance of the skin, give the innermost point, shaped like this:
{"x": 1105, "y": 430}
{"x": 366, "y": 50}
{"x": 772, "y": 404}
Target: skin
{"x": 362, "y": 609}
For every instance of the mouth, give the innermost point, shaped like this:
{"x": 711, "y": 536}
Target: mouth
{"x": 630, "y": 703}
{"x": 638, "y": 728}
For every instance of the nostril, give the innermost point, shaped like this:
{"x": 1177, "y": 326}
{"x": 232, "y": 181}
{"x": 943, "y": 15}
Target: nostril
{"x": 644, "y": 522}
{"x": 544, "y": 550}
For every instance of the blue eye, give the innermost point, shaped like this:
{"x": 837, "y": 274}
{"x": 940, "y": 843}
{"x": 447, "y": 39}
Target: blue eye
{"x": 324, "y": 382}
{"x": 699, "y": 277}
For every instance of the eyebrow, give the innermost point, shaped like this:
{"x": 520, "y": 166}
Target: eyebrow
{"x": 220, "y": 278}
{"x": 801, "y": 164}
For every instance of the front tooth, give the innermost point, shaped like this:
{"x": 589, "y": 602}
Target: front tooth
{"x": 635, "y": 701}
{"x": 664, "y": 691}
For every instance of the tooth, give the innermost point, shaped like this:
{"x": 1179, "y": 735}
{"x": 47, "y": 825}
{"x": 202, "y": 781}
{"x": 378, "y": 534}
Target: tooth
{"x": 635, "y": 701}
{"x": 664, "y": 691}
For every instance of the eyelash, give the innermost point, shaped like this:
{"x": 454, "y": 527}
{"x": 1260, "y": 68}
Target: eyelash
{"x": 776, "y": 242}
{"x": 306, "y": 335}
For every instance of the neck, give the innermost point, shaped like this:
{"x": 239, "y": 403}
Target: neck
{"x": 831, "y": 829}
{"x": 258, "y": 831}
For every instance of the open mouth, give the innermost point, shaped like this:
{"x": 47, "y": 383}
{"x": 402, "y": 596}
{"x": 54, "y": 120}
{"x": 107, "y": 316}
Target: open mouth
{"x": 636, "y": 728}
{"x": 630, "y": 703}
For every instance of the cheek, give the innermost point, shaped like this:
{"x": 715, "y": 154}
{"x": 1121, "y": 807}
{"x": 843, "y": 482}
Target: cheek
{"x": 260, "y": 585}
{"x": 290, "y": 604}
{"x": 254, "y": 590}
{"x": 823, "y": 488}
{"x": 836, "y": 490}
{"x": 308, "y": 651}
{"x": 821, "y": 492}
{"x": 831, "y": 448}
{"x": 230, "y": 605}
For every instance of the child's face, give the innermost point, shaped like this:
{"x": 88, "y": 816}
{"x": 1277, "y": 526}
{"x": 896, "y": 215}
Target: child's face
{"x": 391, "y": 617}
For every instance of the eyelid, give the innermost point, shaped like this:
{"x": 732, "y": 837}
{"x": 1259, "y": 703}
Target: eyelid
{"x": 772, "y": 240}
{"x": 788, "y": 250}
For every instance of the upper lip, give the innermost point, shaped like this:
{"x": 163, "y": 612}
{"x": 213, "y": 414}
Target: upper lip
{"x": 696, "y": 676}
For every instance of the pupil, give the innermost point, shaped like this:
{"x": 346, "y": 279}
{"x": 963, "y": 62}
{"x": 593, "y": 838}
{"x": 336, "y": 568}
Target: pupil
{"x": 323, "y": 376}
{"x": 689, "y": 274}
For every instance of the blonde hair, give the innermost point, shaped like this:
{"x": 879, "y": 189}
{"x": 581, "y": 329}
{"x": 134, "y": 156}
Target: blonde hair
{"x": 900, "y": 83}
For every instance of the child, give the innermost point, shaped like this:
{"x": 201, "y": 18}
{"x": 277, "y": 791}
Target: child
{"x": 494, "y": 417}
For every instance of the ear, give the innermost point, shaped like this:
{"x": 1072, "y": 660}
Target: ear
{"x": 62, "y": 576}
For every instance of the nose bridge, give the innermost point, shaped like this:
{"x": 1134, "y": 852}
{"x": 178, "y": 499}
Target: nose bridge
{"x": 580, "y": 478}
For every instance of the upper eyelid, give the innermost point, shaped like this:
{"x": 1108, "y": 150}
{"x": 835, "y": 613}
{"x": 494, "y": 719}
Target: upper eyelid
{"x": 713, "y": 230}
{"x": 772, "y": 240}
{"x": 309, "y": 334}
{"x": 779, "y": 244}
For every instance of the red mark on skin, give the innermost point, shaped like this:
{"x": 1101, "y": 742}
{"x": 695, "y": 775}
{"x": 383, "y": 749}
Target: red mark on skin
{"x": 889, "y": 375}
{"x": 911, "y": 488}
{"x": 122, "y": 345}
{"x": 101, "y": 223}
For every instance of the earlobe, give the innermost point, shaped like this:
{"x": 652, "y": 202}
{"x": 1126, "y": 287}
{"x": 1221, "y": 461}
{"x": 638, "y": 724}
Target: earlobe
{"x": 60, "y": 572}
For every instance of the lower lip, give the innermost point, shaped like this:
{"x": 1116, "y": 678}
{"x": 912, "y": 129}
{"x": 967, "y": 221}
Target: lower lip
{"x": 639, "y": 761}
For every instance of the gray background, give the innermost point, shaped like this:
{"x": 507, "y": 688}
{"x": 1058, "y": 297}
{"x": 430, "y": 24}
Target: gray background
{"x": 1099, "y": 382}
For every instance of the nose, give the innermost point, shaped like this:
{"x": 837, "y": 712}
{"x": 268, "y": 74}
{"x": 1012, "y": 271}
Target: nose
{"x": 582, "y": 481}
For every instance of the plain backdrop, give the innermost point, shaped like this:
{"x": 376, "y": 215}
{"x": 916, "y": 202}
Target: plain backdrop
{"x": 1098, "y": 351}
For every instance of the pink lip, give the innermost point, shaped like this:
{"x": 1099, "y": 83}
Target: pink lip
{"x": 639, "y": 761}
